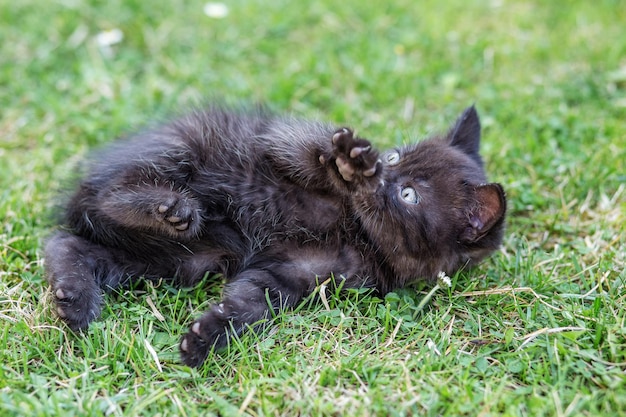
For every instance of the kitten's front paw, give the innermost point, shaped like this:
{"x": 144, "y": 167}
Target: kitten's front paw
{"x": 355, "y": 158}
{"x": 193, "y": 348}
{"x": 208, "y": 332}
{"x": 178, "y": 213}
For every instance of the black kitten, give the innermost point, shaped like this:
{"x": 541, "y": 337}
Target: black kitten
{"x": 276, "y": 205}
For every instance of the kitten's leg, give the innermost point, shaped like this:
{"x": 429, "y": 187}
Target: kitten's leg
{"x": 319, "y": 158}
{"x": 78, "y": 271}
{"x": 273, "y": 282}
{"x": 244, "y": 305}
{"x": 159, "y": 209}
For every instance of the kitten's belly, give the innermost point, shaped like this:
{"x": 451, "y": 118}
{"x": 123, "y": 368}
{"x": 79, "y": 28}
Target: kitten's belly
{"x": 318, "y": 213}
{"x": 290, "y": 213}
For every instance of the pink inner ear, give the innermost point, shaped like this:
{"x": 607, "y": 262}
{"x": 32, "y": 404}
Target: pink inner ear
{"x": 491, "y": 200}
{"x": 490, "y": 208}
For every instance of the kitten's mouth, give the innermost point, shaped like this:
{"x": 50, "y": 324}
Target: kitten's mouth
{"x": 381, "y": 189}
{"x": 383, "y": 193}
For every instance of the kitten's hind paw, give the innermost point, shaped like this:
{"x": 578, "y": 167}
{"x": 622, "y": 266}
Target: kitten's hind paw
{"x": 77, "y": 307}
{"x": 355, "y": 158}
{"x": 179, "y": 214}
{"x": 71, "y": 263}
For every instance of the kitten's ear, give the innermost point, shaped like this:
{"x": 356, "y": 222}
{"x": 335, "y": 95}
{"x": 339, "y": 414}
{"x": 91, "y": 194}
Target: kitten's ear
{"x": 488, "y": 211}
{"x": 465, "y": 134}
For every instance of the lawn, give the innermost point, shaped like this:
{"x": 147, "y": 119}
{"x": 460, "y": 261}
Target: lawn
{"x": 539, "y": 329}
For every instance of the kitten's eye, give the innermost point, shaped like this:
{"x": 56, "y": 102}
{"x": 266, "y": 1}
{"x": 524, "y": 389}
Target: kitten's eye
{"x": 409, "y": 195}
{"x": 393, "y": 158}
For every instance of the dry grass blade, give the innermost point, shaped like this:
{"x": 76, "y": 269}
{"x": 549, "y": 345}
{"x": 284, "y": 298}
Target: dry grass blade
{"x": 530, "y": 337}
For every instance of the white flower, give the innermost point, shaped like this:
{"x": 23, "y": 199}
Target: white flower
{"x": 443, "y": 280}
{"x": 216, "y": 10}
{"x": 109, "y": 37}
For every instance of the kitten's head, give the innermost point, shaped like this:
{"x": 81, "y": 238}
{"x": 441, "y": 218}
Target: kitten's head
{"x": 435, "y": 210}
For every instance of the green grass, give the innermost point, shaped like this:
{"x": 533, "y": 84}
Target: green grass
{"x": 539, "y": 329}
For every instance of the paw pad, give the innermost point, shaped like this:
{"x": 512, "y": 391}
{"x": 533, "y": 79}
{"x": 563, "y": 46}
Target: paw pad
{"x": 177, "y": 213}
{"x": 356, "y": 151}
{"x": 354, "y": 156}
{"x": 340, "y": 134}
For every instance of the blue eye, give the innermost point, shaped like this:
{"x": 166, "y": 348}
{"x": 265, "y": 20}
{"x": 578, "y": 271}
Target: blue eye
{"x": 393, "y": 158}
{"x": 409, "y": 195}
